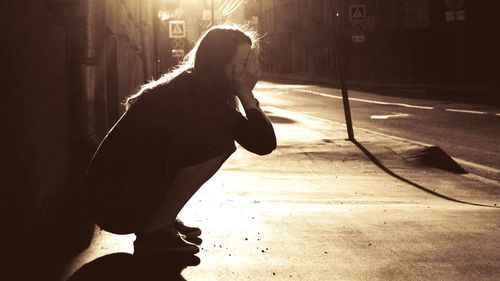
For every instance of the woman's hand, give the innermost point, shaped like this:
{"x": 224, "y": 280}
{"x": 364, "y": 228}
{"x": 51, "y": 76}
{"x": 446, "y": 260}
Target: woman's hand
{"x": 244, "y": 79}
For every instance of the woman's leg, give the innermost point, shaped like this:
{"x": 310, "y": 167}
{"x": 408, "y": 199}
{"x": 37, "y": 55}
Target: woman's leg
{"x": 185, "y": 184}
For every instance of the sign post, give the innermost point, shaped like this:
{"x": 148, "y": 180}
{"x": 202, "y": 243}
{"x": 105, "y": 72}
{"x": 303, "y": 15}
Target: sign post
{"x": 357, "y": 17}
{"x": 455, "y": 13}
{"x": 338, "y": 60}
{"x": 177, "y": 29}
{"x": 177, "y": 32}
{"x": 357, "y": 13}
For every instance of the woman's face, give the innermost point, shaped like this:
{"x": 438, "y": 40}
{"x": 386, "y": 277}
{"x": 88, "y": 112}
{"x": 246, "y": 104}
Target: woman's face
{"x": 237, "y": 64}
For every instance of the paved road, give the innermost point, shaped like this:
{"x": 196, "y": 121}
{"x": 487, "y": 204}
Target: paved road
{"x": 465, "y": 131}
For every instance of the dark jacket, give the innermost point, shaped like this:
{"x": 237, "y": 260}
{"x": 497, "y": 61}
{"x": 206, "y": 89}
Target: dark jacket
{"x": 170, "y": 127}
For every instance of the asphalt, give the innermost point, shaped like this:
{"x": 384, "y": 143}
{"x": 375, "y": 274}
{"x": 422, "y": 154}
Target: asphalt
{"x": 445, "y": 91}
{"x": 319, "y": 208}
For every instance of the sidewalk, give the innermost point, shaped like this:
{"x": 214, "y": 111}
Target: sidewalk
{"x": 318, "y": 209}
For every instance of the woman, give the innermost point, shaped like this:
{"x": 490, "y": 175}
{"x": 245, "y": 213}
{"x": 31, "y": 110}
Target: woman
{"x": 176, "y": 133}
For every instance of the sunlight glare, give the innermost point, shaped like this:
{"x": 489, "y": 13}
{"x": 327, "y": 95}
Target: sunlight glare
{"x": 164, "y": 15}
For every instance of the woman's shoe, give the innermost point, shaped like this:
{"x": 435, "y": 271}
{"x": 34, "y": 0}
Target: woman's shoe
{"x": 189, "y": 232}
{"x": 165, "y": 240}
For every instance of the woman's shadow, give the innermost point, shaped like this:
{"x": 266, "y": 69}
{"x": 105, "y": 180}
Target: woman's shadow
{"x": 124, "y": 266}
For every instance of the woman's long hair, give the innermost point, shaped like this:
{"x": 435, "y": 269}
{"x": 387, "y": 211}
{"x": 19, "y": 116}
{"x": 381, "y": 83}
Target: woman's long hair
{"x": 207, "y": 60}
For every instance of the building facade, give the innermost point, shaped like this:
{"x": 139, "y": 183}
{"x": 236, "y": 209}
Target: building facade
{"x": 66, "y": 68}
{"x": 381, "y": 41}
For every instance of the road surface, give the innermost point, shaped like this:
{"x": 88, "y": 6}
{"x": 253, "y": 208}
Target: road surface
{"x": 470, "y": 133}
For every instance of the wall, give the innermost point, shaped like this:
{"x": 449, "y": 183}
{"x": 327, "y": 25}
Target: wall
{"x": 66, "y": 67}
{"x": 130, "y": 31}
{"x": 35, "y": 111}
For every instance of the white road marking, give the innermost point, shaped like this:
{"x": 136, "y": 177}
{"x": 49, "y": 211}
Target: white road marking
{"x": 394, "y": 103}
{"x": 465, "y": 111}
{"x": 383, "y": 117}
{"x": 367, "y": 101}
{"x": 477, "y": 166}
{"x": 482, "y": 179}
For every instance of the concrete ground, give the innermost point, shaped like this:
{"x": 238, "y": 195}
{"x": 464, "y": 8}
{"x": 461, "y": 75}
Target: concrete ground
{"x": 318, "y": 209}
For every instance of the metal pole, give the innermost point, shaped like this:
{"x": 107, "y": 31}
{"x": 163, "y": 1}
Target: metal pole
{"x": 338, "y": 59}
{"x": 156, "y": 51}
{"x": 213, "y": 17}
{"x": 455, "y": 31}
{"x": 91, "y": 58}
{"x": 275, "y": 11}
{"x": 261, "y": 16}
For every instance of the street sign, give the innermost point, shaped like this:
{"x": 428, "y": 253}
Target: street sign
{"x": 177, "y": 53}
{"x": 358, "y": 38}
{"x": 357, "y": 13}
{"x": 455, "y": 15}
{"x": 358, "y": 30}
{"x": 450, "y": 15}
{"x": 177, "y": 29}
{"x": 178, "y": 43}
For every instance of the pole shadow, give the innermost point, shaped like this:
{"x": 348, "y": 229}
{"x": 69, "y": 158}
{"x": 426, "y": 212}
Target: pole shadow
{"x": 379, "y": 164}
{"x": 125, "y": 266}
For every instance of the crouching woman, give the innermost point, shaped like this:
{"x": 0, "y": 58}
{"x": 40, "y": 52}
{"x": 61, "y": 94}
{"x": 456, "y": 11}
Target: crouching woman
{"x": 175, "y": 135}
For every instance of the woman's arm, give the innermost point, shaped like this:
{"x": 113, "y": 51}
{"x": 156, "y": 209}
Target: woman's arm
{"x": 255, "y": 133}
